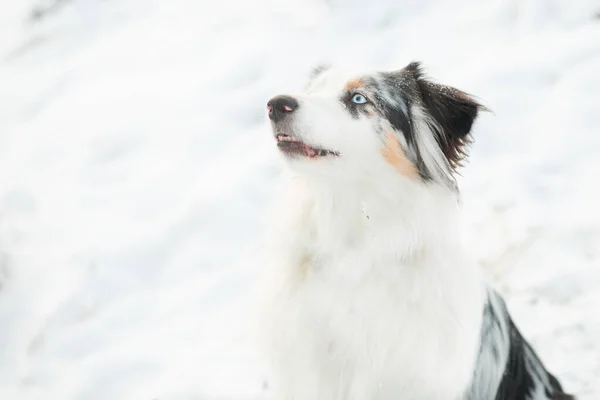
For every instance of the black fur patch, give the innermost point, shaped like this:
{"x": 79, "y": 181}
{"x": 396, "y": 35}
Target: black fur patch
{"x": 397, "y": 113}
{"x": 523, "y": 374}
{"x": 522, "y": 371}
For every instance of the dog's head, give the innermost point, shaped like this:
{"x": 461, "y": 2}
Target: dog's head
{"x": 357, "y": 126}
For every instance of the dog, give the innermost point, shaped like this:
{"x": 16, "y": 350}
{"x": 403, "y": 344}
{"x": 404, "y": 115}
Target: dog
{"x": 370, "y": 294}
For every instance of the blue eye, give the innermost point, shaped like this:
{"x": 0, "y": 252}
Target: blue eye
{"x": 359, "y": 98}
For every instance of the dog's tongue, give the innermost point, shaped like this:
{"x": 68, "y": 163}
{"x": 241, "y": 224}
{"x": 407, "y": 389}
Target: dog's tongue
{"x": 310, "y": 151}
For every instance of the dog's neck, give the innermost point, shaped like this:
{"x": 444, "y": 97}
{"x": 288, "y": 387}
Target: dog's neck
{"x": 398, "y": 221}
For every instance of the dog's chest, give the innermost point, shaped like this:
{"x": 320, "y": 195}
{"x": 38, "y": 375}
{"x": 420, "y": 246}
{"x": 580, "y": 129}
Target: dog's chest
{"x": 359, "y": 328}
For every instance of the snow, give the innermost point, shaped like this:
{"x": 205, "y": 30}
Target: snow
{"x": 135, "y": 166}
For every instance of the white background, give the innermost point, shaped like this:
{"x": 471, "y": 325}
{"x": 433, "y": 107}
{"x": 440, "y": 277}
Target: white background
{"x": 135, "y": 165}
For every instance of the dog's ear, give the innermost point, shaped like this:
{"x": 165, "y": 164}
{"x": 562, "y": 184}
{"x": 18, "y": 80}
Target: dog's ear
{"x": 317, "y": 70}
{"x": 453, "y": 111}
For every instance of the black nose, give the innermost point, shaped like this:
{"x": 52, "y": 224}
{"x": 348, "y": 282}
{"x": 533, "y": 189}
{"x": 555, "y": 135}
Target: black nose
{"x": 280, "y": 106}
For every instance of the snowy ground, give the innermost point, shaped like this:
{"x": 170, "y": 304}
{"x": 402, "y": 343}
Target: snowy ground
{"x": 134, "y": 167}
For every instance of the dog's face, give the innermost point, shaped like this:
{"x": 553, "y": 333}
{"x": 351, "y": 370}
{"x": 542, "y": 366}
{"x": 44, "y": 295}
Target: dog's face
{"x": 357, "y": 126}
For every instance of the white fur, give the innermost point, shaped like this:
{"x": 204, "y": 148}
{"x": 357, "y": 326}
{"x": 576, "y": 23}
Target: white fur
{"x": 369, "y": 294}
{"x": 430, "y": 150}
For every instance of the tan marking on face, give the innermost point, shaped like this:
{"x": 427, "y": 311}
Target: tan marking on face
{"x": 371, "y": 112}
{"x": 395, "y": 155}
{"x": 354, "y": 84}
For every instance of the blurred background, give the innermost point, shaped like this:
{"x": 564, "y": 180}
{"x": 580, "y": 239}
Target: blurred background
{"x": 135, "y": 165}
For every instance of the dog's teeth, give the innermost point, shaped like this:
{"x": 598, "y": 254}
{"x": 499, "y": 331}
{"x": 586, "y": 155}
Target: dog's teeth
{"x": 286, "y": 138}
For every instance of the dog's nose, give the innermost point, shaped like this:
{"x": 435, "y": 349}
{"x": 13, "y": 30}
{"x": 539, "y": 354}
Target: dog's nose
{"x": 280, "y": 106}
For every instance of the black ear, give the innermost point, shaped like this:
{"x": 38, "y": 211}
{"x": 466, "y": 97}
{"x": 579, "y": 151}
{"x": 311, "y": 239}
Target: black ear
{"x": 454, "y": 113}
{"x": 453, "y": 110}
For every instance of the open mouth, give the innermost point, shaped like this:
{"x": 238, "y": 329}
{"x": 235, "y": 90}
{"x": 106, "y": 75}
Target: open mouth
{"x": 293, "y": 146}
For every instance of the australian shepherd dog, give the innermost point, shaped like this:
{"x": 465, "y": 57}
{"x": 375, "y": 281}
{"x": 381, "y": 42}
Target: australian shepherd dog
{"x": 370, "y": 294}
